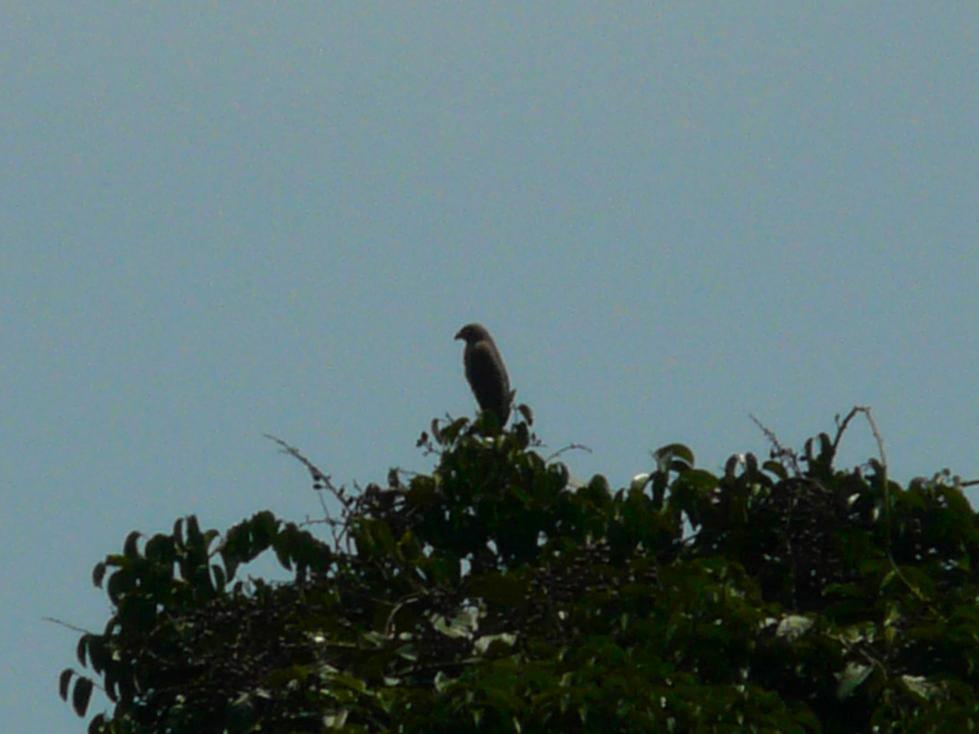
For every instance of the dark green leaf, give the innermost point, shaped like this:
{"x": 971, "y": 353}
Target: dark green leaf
{"x": 672, "y": 455}
{"x": 130, "y": 549}
{"x": 81, "y": 648}
{"x": 80, "y": 695}
{"x": 64, "y": 680}
{"x": 851, "y": 678}
{"x": 775, "y": 468}
{"x": 526, "y": 412}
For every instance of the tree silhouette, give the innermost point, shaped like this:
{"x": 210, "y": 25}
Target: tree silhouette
{"x": 782, "y": 595}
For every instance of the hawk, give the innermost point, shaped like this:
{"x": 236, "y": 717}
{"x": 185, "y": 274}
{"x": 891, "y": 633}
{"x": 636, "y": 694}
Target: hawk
{"x": 486, "y": 372}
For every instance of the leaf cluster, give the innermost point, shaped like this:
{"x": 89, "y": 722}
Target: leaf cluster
{"x": 494, "y": 594}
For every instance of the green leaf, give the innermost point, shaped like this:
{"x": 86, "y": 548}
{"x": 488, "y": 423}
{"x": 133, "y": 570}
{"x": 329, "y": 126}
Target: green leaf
{"x": 673, "y": 456}
{"x": 494, "y": 644}
{"x": 441, "y": 681}
{"x": 793, "y": 626}
{"x": 775, "y": 468}
{"x": 921, "y": 686}
{"x": 851, "y": 678}
{"x": 178, "y": 531}
{"x": 241, "y": 714}
{"x": 337, "y": 719}
{"x": 195, "y": 538}
{"x": 81, "y": 695}
{"x": 130, "y": 549}
{"x": 81, "y": 648}
{"x": 64, "y": 680}
{"x": 160, "y": 549}
{"x": 218, "y": 575}
{"x": 526, "y": 412}
{"x": 463, "y": 625}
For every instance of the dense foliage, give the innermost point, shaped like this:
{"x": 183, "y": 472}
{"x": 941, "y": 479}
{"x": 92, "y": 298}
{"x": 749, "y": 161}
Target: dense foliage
{"x": 492, "y": 595}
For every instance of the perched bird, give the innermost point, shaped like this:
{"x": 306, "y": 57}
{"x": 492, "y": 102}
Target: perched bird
{"x": 485, "y": 371}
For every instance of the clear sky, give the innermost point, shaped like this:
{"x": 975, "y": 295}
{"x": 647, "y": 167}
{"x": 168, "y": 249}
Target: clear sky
{"x": 220, "y": 220}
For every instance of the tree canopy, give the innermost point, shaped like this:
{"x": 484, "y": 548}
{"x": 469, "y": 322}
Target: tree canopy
{"x": 492, "y": 595}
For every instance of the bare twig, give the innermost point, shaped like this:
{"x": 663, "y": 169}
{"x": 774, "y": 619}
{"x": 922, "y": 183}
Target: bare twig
{"x": 66, "y": 625}
{"x": 321, "y": 481}
{"x": 841, "y": 426}
{"x": 877, "y": 437}
{"x": 569, "y": 447}
{"x": 404, "y": 601}
{"x": 779, "y": 451}
{"x": 885, "y": 484}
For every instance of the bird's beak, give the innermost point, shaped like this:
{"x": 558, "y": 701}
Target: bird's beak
{"x": 459, "y": 335}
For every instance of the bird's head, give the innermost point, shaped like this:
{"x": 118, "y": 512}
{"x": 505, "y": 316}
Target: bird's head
{"x": 471, "y": 333}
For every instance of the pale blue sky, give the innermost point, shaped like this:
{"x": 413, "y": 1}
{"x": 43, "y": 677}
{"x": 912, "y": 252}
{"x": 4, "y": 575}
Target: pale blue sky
{"x": 223, "y": 220}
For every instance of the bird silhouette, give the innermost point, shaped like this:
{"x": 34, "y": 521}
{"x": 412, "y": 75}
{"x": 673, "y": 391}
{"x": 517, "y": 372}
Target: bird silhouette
{"x": 486, "y": 372}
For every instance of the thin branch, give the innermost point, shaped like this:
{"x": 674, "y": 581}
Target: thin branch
{"x": 569, "y": 447}
{"x": 389, "y": 624}
{"x": 779, "y": 451}
{"x": 885, "y": 484}
{"x": 877, "y": 436}
{"x": 841, "y": 427}
{"x": 66, "y": 625}
{"x": 321, "y": 480}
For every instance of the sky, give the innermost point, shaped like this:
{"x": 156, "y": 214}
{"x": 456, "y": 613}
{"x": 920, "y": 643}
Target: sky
{"x": 224, "y": 220}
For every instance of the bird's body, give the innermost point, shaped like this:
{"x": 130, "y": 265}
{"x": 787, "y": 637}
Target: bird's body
{"x": 486, "y": 372}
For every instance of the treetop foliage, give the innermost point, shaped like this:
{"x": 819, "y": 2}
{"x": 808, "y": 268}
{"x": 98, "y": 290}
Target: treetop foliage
{"x": 491, "y": 595}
